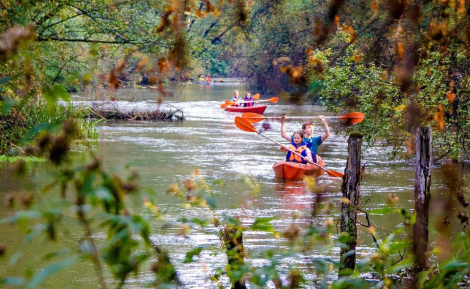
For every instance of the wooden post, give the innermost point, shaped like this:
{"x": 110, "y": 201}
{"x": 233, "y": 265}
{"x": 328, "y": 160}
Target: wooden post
{"x": 422, "y": 196}
{"x": 233, "y": 239}
{"x": 351, "y": 193}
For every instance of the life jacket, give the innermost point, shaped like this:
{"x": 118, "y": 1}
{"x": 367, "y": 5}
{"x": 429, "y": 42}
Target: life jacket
{"x": 235, "y": 100}
{"x": 301, "y": 150}
{"x": 312, "y": 143}
{"x": 248, "y": 103}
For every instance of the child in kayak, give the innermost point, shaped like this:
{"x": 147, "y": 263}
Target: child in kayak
{"x": 235, "y": 98}
{"x": 248, "y": 97}
{"x": 312, "y": 142}
{"x": 299, "y": 146}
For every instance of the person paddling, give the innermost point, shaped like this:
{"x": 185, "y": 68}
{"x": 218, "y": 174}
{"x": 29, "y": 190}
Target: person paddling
{"x": 248, "y": 97}
{"x": 235, "y": 98}
{"x": 299, "y": 146}
{"x": 312, "y": 142}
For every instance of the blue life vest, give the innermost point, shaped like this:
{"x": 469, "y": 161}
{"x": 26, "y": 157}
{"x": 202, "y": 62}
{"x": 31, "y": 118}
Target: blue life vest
{"x": 301, "y": 149}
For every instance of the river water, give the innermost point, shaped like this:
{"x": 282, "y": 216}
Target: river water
{"x": 163, "y": 153}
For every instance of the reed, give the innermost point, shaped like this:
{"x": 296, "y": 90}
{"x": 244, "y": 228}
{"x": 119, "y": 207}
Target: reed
{"x": 22, "y": 123}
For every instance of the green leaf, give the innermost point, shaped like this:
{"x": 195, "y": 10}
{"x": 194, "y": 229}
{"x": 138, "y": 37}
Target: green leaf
{"x": 398, "y": 245}
{"x": 12, "y": 281}
{"x": 53, "y": 94}
{"x": 455, "y": 265}
{"x": 350, "y": 283}
{"x": 6, "y": 105}
{"x": 192, "y": 253}
{"x": 4, "y": 80}
{"x": 219, "y": 182}
{"x": 211, "y": 202}
{"x": 60, "y": 92}
{"x": 51, "y": 269}
{"x": 94, "y": 49}
{"x": 407, "y": 263}
{"x": 262, "y": 224}
{"x": 381, "y": 211}
{"x": 15, "y": 258}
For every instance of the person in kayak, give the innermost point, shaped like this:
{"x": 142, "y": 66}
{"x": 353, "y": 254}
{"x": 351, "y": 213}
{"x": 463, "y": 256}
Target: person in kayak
{"x": 235, "y": 98}
{"x": 299, "y": 146}
{"x": 248, "y": 97}
{"x": 312, "y": 142}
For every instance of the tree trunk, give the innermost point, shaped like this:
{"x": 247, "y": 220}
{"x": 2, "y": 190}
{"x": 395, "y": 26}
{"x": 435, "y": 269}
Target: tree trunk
{"x": 422, "y": 196}
{"x": 351, "y": 193}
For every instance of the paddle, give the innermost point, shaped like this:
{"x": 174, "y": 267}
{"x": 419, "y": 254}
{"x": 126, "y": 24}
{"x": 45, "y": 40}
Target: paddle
{"x": 243, "y": 124}
{"x": 349, "y": 118}
{"x": 229, "y": 102}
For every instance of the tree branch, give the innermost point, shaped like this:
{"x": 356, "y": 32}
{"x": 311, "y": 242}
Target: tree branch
{"x": 53, "y": 38}
{"x": 222, "y": 34}
{"x": 210, "y": 28}
{"x": 56, "y": 23}
{"x": 49, "y": 15}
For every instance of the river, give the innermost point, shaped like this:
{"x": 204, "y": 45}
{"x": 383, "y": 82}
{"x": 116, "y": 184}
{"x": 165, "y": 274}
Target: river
{"x": 163, "y": 153}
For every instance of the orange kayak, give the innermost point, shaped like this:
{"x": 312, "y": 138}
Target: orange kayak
{"x": 256, "y": 109}
{"x": 295, "y": 171}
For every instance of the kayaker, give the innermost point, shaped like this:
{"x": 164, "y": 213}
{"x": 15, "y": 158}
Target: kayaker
{"x": 299, "y": 146}
{"x": 248, "y": 97}
{"x": 235, "y": 98}
{"x": 312, "y": 142}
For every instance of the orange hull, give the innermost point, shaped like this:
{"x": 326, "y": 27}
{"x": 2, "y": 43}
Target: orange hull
{"x": 296, "y": 171}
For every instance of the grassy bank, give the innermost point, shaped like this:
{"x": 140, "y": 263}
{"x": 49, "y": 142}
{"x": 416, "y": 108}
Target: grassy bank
{"x": 21, "y": 124}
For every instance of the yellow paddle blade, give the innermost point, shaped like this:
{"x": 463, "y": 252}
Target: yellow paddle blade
{"x": 243, "y": 124}
{"x": 253, "y": 117}
{"x": 352, "y": 117}
{"x": 256, "y": 96}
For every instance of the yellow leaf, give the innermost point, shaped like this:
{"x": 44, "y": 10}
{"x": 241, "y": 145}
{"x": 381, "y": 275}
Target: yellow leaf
{"x": 400, "y": 107}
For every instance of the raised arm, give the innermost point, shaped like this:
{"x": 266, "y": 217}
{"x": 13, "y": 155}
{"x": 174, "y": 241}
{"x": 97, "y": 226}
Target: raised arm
{"x": 283, "y": 129}
{"x": 326, "y": 134}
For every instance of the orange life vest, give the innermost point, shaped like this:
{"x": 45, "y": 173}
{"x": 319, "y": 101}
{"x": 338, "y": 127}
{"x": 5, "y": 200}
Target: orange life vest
{"x": 301, "y": 150}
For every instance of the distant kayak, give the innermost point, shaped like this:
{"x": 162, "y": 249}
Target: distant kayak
{"x": 256, "y": 109}
{"x": 295, "y": 171}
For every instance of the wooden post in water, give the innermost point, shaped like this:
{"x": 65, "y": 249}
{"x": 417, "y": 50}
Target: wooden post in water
{"x": 422, "y": 197}
{"x": 351, "y": 193}
{"x": 233, "y": 239}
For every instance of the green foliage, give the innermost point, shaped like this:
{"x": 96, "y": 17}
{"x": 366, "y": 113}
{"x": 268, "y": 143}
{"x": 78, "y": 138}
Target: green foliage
{"x": 391, "y": 114}
{"x": 23, "y": 122}
{"x": 282, "y": 34}
{"x": 53, "y": 94}
{"x": 7, "y": 159}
